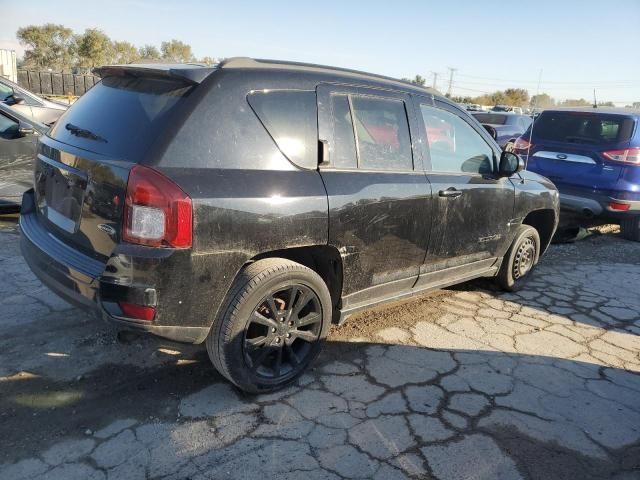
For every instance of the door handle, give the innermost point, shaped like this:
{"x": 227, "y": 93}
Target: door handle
{"x": 450, "y": 192}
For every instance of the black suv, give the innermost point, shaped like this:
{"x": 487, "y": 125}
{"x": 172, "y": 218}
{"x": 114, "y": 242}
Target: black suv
{"x": 252, "y": 204}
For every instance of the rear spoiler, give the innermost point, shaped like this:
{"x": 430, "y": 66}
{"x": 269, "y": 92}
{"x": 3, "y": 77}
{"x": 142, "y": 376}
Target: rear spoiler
{"x": 192, "y": 73}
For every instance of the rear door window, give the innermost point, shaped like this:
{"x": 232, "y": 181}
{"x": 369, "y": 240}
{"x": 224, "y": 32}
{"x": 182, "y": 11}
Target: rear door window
{"x": 344, "y": 148}
{"x": 382, "y": 132}
{"x": 122, "y": 117}
{"x": 291, "y": 119}
{"x": 583, "y": 127}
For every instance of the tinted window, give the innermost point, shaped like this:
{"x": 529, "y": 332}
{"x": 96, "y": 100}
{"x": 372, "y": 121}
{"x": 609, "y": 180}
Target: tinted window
{"x": 8, "y": 127}
{"x": 493, "y": 118}
{"x": 454, "y": 145}
{"x": 344, "y": 147}
{"x": 291, "y": 119}
{"x": 582, "y": 127}
{"x": 129, "y": 114}
{"x": 382, "y": 131}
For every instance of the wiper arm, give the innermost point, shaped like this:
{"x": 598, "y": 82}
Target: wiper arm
{"x": 81, "y": 132}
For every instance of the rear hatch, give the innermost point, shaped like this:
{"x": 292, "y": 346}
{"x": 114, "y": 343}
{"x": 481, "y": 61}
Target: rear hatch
{"x": 567, "y": 147}
{"x": 83, "y": 163}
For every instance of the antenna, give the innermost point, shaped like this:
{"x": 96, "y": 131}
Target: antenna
{"x": 535, "y": 104}
{"x": 595, "y": 100}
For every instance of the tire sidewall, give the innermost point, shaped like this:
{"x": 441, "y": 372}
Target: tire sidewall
{"x": 506, "y": 279}
{"x": 246, "y": 303}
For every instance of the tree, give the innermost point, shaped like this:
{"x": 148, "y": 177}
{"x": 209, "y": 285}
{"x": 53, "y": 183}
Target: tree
{"x": 417, "y": 80}
{"x": 517, "y": 97}
{"x": 542, "y": 100}
{"x": 124, "y": 52}
{"x": 570, "y": 102}
{"x": 94, "y": 48}
{"x": 149, "y": 52}
{"x": 209, "y": 61}
{"x": 176, "y": 51}
{"x": 47, "y": 46}
{"x": 606, "y": 104}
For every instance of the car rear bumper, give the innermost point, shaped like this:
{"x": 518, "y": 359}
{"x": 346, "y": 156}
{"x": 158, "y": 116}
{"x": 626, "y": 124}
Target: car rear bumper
{"x": 589, "y": 205}
{"x": 81, "y": 280}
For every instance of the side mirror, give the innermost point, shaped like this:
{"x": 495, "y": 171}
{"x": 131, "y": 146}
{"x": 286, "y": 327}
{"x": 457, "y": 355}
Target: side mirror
{"x": 25, "y": 130}
{"x": 17, "y": 99}
{"x": 510, "y": 164}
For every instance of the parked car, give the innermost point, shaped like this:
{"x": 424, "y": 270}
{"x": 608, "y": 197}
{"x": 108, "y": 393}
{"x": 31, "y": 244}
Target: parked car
{"x": 29, "y": 104}
{"x": 474, "y": 107}
{"x": 593, "y": 157}
{"x": 18, "y": 141}
{"x": 254, "y": 203}
{"x": 503, "y": 127}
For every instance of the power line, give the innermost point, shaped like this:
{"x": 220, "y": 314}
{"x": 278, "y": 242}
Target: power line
{"x": 583, "y": 82}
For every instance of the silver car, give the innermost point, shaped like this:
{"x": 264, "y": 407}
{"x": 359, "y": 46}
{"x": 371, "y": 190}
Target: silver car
{"x": 30, "y": 104}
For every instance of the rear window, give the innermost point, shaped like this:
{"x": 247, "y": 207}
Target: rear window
{"x": 583, "y": 127}
{"x": 290, "y": 117}
{"x": 121, "y": 117}
{"x": 491, "y": 118}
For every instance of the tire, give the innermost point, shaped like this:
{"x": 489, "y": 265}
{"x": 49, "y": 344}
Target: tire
{"x": 520, "y": 260}
{"x": 260, "y": 341}
{"x": 630, "y": 228}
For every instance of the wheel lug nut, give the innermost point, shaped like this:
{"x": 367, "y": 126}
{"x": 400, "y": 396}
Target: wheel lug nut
{"x": 273, "y": 329}
{"x": 278, "y": 340}
{"x": 288, "y": 335}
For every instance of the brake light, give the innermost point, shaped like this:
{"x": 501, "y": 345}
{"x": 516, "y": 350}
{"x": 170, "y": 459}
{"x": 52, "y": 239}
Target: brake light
{"x": 627, "y": 155}
{"x": 157, "y": 212}
{"x": 139, "y": 312}
{"x": 623, "y": 207}
{"x": 521, "y": 144}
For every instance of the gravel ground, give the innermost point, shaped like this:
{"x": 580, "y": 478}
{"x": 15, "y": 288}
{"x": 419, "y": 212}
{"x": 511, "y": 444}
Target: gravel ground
{"x": 464, "y": 383}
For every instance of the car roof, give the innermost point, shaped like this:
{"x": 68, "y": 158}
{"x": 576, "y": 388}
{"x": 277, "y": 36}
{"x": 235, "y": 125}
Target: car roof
{"x": 606, "y": 110}
{"x": 266, "y": 64}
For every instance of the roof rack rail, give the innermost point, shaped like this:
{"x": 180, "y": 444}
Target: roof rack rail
{"x": 247, "y": 62}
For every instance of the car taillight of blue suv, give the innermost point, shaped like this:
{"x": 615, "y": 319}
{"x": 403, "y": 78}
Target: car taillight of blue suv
{"x": 593, "y": 157}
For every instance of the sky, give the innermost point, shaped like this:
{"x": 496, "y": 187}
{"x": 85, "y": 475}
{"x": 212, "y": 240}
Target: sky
{"x": 571, "y": 46}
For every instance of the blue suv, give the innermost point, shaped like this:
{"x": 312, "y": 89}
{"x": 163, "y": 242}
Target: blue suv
{"x": 593, "y": 157}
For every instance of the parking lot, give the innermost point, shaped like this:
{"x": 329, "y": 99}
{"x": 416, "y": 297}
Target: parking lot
{"x": 463, "y": 383}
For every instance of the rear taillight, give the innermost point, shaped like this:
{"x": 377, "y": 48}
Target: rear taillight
{"x": 156, "y": 212}
{"x": 521, "y": 145}
{"x": 627, "y": 155}
{"x": 622, "y": 207}
{"x": 139, "y": 312}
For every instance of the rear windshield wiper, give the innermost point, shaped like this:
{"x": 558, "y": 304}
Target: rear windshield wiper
{"x": 81, "y": 132}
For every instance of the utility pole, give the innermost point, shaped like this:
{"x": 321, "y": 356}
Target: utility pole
{"x": 449, "y": 91}
{"x": 435, "y": 80}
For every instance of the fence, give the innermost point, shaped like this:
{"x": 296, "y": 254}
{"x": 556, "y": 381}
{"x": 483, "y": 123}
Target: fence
{"x": 50, "y": 83}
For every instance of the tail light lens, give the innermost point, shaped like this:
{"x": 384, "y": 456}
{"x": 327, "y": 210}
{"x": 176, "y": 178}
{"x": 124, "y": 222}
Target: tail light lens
{"x": 627, "y": 155}
{"x": 139, "y": 312}
{"x": 622, "y": 207}
{"x": 157, "y": 212}
{"x": 521, "y": 145}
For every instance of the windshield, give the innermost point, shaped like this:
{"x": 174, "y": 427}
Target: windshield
{"x": 583, "y": 127}
{"x": 493, "y": 118}
{"x": 121, "y": 117}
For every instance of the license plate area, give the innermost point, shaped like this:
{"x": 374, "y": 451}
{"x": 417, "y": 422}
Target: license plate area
{"x": 60, "y": 194}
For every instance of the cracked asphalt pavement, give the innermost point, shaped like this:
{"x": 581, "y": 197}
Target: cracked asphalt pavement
{"x": 465, "y": 383}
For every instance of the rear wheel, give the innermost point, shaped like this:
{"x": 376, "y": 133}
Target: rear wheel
{"x": 630, "y": 228}
{"x": 272, "y": 326}
{"x": 520, "y": 259}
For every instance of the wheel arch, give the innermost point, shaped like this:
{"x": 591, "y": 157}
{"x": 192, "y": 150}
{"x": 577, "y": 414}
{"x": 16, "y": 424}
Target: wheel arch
{"x": 325, "y": 260}
{"x": 544, "y": 221}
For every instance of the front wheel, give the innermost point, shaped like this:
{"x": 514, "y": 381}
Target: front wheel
{"x": 520, "y": 259}
{"x": 272, "y": 327}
